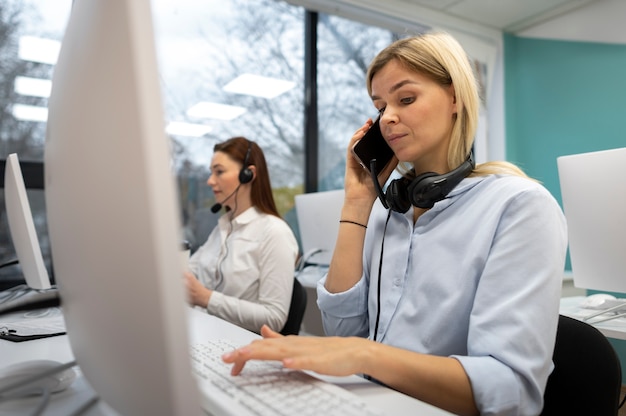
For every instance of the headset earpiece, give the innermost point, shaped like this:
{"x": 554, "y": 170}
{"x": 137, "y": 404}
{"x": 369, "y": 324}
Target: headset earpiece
{"x": 245, "y": 174}
{"x": 426, "y": 189}
{"x": 396, "y": 195}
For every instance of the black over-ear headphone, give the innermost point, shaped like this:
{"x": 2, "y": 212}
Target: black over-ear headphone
{"x": 425, "y": 189}
{"x": 246, "y": 174}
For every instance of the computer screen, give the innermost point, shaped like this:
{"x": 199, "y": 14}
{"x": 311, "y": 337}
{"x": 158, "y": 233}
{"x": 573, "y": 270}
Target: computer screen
{"x": 594, "y": 201}
{"x": 112, "y": 213}
{"x": 22, "y": 227}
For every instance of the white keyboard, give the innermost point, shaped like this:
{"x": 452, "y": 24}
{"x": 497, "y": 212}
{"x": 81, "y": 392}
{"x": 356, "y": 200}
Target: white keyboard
{"x": 266, "y": 388}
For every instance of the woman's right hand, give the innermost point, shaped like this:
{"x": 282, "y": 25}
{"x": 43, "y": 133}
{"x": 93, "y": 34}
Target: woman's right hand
{"x": 335, "y": 356}
{"x": 345, "y": 268}
{"x": 357, "y": 182}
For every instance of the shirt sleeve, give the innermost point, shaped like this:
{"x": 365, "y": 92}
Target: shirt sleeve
{"x": 345, "y": 313}
{"x": 202, "y": 262}
{"x": 514, "y": 319}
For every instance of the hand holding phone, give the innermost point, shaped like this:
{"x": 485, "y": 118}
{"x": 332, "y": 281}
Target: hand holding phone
{"x": 373, "y": 146}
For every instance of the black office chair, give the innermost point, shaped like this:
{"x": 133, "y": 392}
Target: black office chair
{"x": 587, "y": 377}
{"x": 296, "y": 309}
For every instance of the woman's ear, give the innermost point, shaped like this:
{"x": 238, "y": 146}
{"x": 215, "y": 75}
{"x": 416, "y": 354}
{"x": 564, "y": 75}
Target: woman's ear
{"x": 253, "y": 170}
{"x": 453, "y": 93}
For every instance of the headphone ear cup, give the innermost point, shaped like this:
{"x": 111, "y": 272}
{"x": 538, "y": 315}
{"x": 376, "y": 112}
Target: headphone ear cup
{"x": 423, "y": 191}
{"x": 245, "y": 175}
{"x": 396, "y": 195}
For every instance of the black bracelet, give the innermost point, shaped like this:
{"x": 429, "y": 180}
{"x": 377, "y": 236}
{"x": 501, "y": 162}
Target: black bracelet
{"x": 353, "y": 222}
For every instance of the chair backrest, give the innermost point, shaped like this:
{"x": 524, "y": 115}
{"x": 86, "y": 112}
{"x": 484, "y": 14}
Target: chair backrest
{"x": 296, "y": 309}
{"x": 587, "y": 376}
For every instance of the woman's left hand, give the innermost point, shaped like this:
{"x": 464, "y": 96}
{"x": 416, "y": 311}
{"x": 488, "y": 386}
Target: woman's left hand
{"x": 336, "y": 356}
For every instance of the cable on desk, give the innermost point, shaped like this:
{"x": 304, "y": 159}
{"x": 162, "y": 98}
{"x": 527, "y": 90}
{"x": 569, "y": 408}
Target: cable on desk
{"x": 85, "y": 406}
{"x": 43, "y": 403}
{"x": 28, "y": 380}
{"x": 45, "y": 400}
{"x": 14, "y": 292}
{"x": 9, "y": 263}
{"x": 48, "y": 299}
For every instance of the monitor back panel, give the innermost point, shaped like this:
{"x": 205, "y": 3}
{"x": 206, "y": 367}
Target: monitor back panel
{"x": 318, "y": 219}
{"x": 593, "y": 189}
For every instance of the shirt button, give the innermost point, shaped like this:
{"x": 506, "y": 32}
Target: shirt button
{"x": 396, "y": 282}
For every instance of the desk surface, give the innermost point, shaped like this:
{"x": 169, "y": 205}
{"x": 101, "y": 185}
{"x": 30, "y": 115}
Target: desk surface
{"x": 615, "y": 328}
{"x": 202, "y": 327}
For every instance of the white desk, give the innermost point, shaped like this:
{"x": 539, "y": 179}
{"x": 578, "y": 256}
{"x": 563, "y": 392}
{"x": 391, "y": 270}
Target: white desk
{"x": 615, "y": 328}
{"x": 202, "y": 327}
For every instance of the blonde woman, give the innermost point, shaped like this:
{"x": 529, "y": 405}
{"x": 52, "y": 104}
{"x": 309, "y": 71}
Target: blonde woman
{"x": 452, "y": 299}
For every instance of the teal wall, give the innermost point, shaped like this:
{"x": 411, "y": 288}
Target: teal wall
{"x": 563, "y": 98}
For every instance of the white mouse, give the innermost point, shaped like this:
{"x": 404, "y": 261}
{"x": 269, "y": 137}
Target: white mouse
{"x": 20, "y": 371}
{"x": 596, "y": 300}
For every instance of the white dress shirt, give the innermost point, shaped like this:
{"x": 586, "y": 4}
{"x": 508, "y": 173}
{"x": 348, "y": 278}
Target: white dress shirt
{"x": 477, "y": 277}
{"x": 249, "y": 263}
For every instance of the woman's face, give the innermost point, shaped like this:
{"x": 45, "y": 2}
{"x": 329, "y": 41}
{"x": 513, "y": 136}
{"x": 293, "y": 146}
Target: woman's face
{"x": 417, "y": 116}
{"x": 224, "y": 178}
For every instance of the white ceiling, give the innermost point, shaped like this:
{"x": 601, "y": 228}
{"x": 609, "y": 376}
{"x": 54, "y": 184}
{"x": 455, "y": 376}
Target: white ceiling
{"x": 507, "y": 15}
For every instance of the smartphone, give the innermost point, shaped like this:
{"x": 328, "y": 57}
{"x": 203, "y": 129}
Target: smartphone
{"x": 373, "y": 146}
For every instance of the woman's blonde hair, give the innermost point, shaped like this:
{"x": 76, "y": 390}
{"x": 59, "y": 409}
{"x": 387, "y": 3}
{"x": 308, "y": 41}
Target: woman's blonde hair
{"x": 438, "y": 56}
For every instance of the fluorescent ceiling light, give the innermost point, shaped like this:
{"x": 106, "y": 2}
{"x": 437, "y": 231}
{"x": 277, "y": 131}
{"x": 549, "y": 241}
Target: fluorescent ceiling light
{"x": 177, "y": 128}
{"x": 34, "y": 87}
{"x": 45, "y": 51}
{"x": 215, "y": 110}
{"x": 30, "y": 113}
{"x": 258, "y": 86}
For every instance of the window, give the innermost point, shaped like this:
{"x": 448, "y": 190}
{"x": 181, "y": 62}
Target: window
{"x": 231, "y": 68}
{"x": 32, "y": 32}
{"x": 228, "y": 68}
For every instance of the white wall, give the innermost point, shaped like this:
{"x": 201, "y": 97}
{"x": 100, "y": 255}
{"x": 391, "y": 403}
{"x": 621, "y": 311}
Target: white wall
{"x": 600, "y": 21}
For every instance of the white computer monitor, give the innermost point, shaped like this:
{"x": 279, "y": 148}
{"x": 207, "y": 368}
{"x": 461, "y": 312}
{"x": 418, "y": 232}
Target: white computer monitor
{"x": 594, "y": 202}
{"x": 112, "y": 213}
{"x": 22, "y": 227}
{"x": 318, "y": 221}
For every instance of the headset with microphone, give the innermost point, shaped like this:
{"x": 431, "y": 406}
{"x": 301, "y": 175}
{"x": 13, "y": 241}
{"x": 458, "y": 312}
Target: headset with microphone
{"x": 245, "y": 176}
{"x": 423, "y": 191}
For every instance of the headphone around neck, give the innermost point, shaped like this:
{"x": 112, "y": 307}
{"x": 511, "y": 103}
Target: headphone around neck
{"x": 246, "y": 174}
{"x": 426, "y": 189}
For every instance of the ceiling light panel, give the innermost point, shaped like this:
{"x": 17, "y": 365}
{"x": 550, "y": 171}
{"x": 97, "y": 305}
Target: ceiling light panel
{"x": 33, "y": 87}
{"x": 30, "y": 113}
{"x": 215, "y": 111}
{"x": 178, "y": 128}
{"x": 40, "y": 50}
{"x": 258, "y": 86}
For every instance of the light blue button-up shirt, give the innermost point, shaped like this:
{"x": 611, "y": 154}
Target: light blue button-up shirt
{"x": 478, "y": 278}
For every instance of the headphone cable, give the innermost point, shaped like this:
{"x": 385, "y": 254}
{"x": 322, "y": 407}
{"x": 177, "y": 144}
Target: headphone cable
{"x": 379, "y": 189}
{"x": 380, "y": 268}
{"x": 219, "y": 272}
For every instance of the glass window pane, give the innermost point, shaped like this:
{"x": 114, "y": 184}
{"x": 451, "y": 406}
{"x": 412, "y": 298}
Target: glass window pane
{"x": 243, "y": 56}
{"x": 32, "y": 31}
{"x": 345, "y": 50}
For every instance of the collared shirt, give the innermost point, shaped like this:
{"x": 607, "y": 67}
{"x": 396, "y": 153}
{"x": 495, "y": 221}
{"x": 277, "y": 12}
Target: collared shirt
{"x": 478, "y": 277}
{"x": 249, "y": 263}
